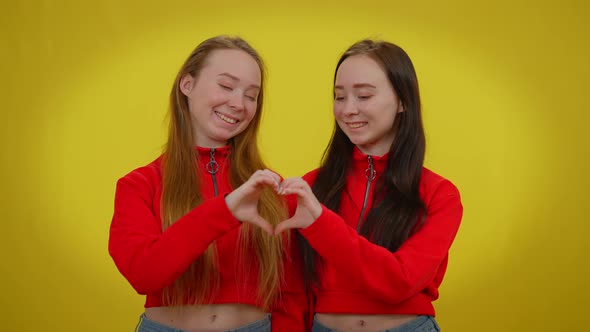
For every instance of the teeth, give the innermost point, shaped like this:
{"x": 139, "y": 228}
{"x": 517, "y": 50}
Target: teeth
{"x": 356, "y": 124}
{"x": 225, "y": 118}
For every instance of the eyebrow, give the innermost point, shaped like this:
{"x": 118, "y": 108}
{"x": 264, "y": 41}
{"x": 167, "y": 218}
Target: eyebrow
{"x": 236, "y": 79}
{"x": 357, "y": 86}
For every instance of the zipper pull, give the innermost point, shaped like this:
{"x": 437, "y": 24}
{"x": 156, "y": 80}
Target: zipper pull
{"x": 370, "y": 171}
{"x": 212, "y": 165}
{"x": 370, "y": 175}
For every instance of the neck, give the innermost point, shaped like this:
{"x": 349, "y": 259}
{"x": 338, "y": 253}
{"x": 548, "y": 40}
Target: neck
{"x": 373, "y": 150}
{"x": 209, "y": 143}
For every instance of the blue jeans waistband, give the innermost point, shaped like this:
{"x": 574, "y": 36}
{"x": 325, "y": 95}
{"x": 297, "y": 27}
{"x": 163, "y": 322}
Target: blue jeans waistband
{"x": 420, "y": 323}
{"x": 147, "y": 325}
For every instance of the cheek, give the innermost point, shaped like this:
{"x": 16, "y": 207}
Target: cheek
{"x": 213, "y": 95}
{"x": 251, "y": 110}
{"x": 389, "y": 120}
{"x": 216, "y": 98}
{"x": 196, "y": 108}
{"x": 382, "y": 110}
{"x": 337, "y": 111}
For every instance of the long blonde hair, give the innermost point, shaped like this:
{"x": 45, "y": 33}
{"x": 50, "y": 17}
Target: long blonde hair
{"x": 180, "y": 189}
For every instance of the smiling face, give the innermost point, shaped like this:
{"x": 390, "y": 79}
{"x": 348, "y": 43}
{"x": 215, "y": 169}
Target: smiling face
{"x": 365, "y": 104}
{"x": 222, "y": 99}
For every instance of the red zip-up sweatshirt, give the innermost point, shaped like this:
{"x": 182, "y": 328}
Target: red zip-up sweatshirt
{"x": 358, "y": 276}
{"x": 151, "y": 259}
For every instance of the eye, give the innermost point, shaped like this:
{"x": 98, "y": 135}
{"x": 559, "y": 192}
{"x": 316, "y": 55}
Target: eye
{"x": 251, "y": 98}
{"x": 226, "y": 87}
{"x": 339, "y": 98}
{"x": 364, "y": 97}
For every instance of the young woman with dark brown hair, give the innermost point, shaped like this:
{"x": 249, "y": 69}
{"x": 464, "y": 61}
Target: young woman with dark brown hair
{"x": 375, "y": 224}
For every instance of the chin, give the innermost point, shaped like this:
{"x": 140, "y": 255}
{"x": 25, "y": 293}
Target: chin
{"x": 356, "y": 141}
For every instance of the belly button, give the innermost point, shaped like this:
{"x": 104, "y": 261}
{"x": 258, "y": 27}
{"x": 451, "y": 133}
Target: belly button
{"x": 362, "y": 323}
{"x": 213, "y": 318}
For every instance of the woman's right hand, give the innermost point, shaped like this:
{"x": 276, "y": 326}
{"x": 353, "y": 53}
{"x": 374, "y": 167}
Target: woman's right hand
{"x": 243, "y": 201}
{"x": 308, "y": 207}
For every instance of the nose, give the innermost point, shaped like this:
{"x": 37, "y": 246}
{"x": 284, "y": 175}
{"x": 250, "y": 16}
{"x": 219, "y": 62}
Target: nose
{"x": 349, "y": 107}
{"x": 236, "y": 101}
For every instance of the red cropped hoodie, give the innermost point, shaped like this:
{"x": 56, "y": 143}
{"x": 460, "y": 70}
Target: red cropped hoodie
{"x": 151, "y": 259}
{"x": 358, "y": 276}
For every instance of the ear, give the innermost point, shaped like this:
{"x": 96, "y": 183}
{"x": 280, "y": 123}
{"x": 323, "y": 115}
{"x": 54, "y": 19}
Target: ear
{"x": 400, "y": 108}
{"x": 186, "y": 84}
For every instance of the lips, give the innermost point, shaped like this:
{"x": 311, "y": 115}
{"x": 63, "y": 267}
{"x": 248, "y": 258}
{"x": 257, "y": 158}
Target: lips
{"x": 355, "y": 125}
{"x": 226, "y": 118}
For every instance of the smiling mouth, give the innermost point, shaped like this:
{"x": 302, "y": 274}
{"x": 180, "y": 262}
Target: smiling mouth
{"x": 355, "y": 125}
{"x": 226, "y": 118}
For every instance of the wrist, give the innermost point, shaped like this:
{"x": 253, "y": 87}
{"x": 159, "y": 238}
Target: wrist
{"x": 317, "y": 212}
{"x": 229, "y": 202}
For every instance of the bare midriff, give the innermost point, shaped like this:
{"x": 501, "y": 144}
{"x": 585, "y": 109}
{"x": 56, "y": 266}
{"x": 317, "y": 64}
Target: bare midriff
{"x": 206, "y": 318}
{"x": 362, "y": 323}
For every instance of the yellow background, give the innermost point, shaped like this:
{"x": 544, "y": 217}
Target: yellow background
{"x": 504, "y": 85}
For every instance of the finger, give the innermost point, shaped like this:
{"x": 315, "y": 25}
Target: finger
{"x": 270, "y": 175}
{"x": 277, "y": 178}
{"x": 293, "y": 180}
{"x": 300, "y": 192}
{"x": 292, "y": 183}
{"x": 264, "y": 178}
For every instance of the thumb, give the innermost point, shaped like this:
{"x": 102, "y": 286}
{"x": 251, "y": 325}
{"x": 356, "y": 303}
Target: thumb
{"x": 262, "y": 223}
{"x": 284, "y": 225}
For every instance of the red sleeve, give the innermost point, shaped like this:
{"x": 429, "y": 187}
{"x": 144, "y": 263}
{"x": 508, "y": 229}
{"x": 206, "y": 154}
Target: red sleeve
{"x": 292, "y": 312}
{"x": 391, "y": 276}
{"x": 149, "y": 258}
{"x": 311, "y": 176}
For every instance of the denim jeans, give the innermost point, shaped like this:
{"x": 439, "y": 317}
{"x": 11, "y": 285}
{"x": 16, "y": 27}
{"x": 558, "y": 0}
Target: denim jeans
{"x": 146, "y": 325}
{"x": 419, "y": 324}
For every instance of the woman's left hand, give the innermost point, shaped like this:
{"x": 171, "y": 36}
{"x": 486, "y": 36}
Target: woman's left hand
{"x": 308, "y": 206}
{"x": 243, "y": 201}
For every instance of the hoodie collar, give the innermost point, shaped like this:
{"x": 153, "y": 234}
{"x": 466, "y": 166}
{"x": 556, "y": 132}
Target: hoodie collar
{"x": 361, "y": 160}
{"x": 205, "y": 152}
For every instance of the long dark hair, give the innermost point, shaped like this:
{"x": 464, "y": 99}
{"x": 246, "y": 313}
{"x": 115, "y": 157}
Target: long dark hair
{"x": 398, "y": 209}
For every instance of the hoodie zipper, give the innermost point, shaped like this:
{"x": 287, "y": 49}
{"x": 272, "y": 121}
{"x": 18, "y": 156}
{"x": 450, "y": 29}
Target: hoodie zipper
{"x": 212, "y": 168}
{"x": 370, "y": 175}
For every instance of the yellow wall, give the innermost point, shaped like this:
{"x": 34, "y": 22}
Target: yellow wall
{"x": 504, "y": 86}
